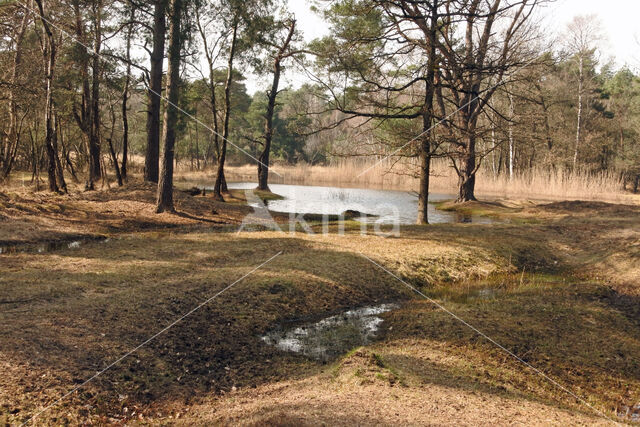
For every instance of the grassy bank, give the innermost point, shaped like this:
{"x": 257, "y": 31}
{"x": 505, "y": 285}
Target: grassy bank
{"x": 557, "y": 285}
{"x": 29, "y": 217}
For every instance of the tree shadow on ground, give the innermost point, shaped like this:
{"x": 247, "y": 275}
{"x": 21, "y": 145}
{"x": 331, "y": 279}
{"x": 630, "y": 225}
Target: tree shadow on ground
{"x": 84, "y": 309}
{"x": 74, "y": 313}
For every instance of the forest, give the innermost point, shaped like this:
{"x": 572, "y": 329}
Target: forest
{"x": 86, "y": 91}
{"x": 421, "y": 212}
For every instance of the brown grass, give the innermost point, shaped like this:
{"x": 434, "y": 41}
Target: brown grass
{"x": 564, "y": 295}
{"x": 537, "y": 184}
{"x": 27, "y": 216}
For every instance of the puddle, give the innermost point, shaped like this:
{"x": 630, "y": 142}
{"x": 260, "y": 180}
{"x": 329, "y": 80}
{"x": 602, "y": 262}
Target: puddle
{"x": 49, "y": 246}
{"x": 487, "y": 293}
{"x": 333, "y": 336}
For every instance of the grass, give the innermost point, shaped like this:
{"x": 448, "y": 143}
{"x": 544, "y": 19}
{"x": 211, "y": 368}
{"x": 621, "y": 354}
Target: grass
{"x": 425, "y": 351}
{"x": 265, "y": 196}
{"x": 39, "y": 216}
{"x": 560, "y": 292}
{"x": 567, "y": 344}
{"x": 536, "y": 184}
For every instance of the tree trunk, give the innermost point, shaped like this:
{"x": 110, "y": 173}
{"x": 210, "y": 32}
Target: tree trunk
{"x": 425, "y": 171}
{"x": 165, "y": 186}
{"x": 221, "y": 182}
{"x": 155, "y": 92}
{"x": 125, "y": 100}
{"x": 263, "y": 163}
{"x": 84, "y": 118}
{"x": 112, "y": 151}
{"x": 579, "y": 125}
{"x": 67, "y": 158}
{"x": 94, "y": 135}
{"x": 13, "y": 136}
{"x": 511, "y": 142}
{"x": 114, "y": 159}
{"x": 212, "y": 92}
{"x": 427, "y": 119}
{"x": 62, "y": 184}
{"x": 467, "y": 172}
{"x": 49, "y": 56}
{"x": 494, "y": 167}
{"x": 263, "y": 160}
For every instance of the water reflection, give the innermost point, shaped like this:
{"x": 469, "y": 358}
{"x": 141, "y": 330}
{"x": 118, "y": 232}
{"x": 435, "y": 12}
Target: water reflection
{"x": 390, "y": 206}
{"x": 50, "y": 246}
{"x": 333, "y": 336}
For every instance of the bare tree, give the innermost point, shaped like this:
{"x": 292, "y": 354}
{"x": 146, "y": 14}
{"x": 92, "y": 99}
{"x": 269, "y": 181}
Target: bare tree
{"x": 49, "y": 56}
{"x": 9, "y": 147}
{"x": 583, "y": 35}
{"x": 495, "y": 41}
{"x": 212, "y": 50}
{"x": 125, "y": 96}
{"x": 220, "y": 183}
{"x": 374, "y": 75}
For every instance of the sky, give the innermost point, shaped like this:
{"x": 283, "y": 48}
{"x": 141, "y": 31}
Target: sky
{"x": 619, "y": 22}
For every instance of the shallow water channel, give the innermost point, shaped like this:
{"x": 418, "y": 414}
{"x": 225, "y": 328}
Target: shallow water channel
{"x": 388, "y": 205}
{"x": 49, "y": 246}
{"x": 333, "y": 336}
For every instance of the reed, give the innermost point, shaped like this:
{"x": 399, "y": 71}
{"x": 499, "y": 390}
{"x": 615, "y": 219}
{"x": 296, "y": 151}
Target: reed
{"x": 536, "y": 184}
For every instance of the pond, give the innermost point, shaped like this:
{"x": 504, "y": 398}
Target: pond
{"x": 389, "y": 205}
{"x": 332, "y": 336}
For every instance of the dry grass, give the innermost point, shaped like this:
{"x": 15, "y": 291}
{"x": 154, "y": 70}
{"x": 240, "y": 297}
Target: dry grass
{"x": 27, "y": 216}
{"x": 537, "y": 184}
{"x": 362, "y": 392}
{"x": 567, "y": 301}
{"x": 78, "y": 309}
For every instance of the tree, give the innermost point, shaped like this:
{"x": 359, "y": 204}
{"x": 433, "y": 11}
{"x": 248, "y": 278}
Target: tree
{"x": 583, "y": 35}
{"x": 372, "y": 72}
{"x": 243, "y": 20}
{"x": 426, "y": 19}
{"x": 281, "y": 52}
{"x": 49, "y": 57}
{"x": 96, "y": 62}
{"x": 125, "y": 95}
{"x": 156, "y": 58}
{"x": 9, "y": 147}
{"x": 89, "y": 117}
{"x": 165, "y": 186}
{"x": 212, "y": 52}
{"x": 623, "y": 100}
{"x": 221, "y": 182}
{"x": 474, "y": 67}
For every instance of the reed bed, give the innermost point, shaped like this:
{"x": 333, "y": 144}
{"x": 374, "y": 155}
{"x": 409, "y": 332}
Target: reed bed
{"x": 536, "y": 184}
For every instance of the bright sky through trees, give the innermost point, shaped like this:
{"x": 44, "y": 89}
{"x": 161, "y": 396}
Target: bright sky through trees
{"x": 618, "y": 19}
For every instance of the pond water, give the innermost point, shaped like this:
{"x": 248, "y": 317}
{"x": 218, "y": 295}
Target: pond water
{"x": 390, "y": 206}
{"x": 332, "y": 336}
